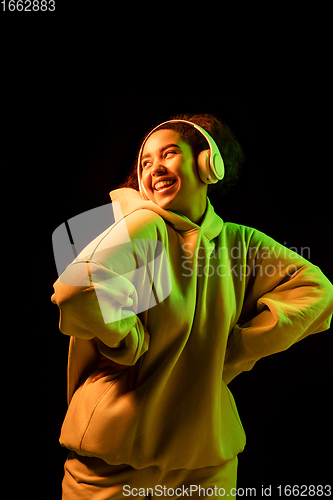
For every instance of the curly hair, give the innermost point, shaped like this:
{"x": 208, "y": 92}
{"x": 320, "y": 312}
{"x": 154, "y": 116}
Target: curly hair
{"x": 231, "y": 151}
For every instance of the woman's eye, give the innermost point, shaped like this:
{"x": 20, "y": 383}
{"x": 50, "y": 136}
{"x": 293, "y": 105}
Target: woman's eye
{"x": 169, "y": 153}
{"x": 146, "y": 164}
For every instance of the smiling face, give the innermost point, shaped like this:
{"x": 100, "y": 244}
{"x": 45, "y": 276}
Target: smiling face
{"x": 170, "y": 177}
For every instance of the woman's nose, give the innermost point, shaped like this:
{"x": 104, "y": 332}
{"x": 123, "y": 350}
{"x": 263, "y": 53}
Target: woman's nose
{"x": 158, "y": 169}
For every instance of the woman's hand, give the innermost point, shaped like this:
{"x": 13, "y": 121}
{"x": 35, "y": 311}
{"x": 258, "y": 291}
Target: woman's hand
{"x": 108, "y": 367}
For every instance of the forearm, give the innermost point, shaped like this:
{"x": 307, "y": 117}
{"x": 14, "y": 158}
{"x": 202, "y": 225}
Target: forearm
{"x": 300, "y": 306}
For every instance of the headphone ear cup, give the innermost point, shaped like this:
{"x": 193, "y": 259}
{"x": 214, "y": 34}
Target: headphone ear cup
{"x": 203, "y": 162}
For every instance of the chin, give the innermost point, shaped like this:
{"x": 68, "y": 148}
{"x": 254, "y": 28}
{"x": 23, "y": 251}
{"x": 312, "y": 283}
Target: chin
{"x": 164, "y": 201}
{"x": 167, "y": 205}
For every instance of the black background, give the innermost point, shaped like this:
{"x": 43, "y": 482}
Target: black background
{"x": 73, "y": 126}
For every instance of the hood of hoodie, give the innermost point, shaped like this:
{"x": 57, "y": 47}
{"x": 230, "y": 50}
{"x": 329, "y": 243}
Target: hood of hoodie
{"x": 131, "y": 200}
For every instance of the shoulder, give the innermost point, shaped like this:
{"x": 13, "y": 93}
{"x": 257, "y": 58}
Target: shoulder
{"x": 231, "y": 230}
{"x": 246, "y": 233}
{"x": 249, "y": 239}
{"x": 140, "y": 224}
{"x": 144, "y": 223}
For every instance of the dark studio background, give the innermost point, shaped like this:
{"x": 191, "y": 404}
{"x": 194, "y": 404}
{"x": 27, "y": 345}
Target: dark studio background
{"x": 79, "y": 134}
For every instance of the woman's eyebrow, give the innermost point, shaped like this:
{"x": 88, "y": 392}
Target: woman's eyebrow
{"x": 163, "y": 148}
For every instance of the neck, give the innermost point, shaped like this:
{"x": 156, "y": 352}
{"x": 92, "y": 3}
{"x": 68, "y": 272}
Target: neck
{"x": 196, "y": 214}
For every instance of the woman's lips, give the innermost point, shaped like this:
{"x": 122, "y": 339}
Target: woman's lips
{"x": 164, "y": 185}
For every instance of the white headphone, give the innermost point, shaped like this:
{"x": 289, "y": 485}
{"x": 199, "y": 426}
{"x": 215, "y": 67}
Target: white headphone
{"x": 209, "y": 161}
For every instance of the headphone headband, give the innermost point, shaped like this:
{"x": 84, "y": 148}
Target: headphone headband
{"x": 210, "y": 162}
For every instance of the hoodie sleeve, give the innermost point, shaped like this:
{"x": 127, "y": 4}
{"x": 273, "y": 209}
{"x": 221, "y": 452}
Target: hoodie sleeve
{"x": 101, "y": 294}
{"x": 102, "y": 310}
{"x": 286, "y": 298}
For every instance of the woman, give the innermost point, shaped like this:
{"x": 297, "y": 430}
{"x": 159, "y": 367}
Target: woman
{"x": 164, "y": 309}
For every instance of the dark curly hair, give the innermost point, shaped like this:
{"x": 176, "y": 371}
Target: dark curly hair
{"x": 231, "y": 151}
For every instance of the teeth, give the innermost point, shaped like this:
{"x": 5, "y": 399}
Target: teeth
{"x": 163, "y": 184}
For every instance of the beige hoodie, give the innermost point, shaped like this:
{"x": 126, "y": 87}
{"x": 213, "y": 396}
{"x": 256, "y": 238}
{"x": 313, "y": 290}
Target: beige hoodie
{"x": 220, "y": 297}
